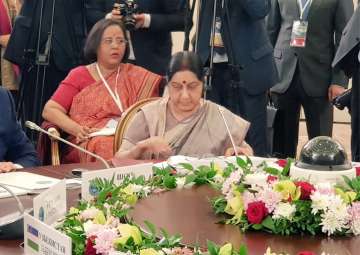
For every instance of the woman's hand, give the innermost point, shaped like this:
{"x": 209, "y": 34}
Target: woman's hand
{"x": 82, "y": 133}
{"x": 7, "y": 167}
{"x": 156, "y": 146}
{"x": 115, "y": 13}
{"x": 241, "y": 150}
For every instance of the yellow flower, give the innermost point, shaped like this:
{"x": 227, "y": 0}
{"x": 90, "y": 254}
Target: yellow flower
{"x": 348, "y": 196}
{"x": 127, "y": 231}
{"x": 130, "y": 197}
{"x": 149, "y": 251}
{"x": 218, "y": 169}
{"x": 100, "y": 218}
{"x": 73, "y": 210}
{"x": 235, "y": 206}
{"x": 226, "y": 249}
{"x": 288, "y": 190}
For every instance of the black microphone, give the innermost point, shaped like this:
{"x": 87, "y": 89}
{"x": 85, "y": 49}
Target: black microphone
{"x": 227, "y": 129}
{"x": 33, "y": 126}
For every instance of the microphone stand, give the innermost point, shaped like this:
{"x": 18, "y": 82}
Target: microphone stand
{"x": 33, "y": 126}
{"x": 19, "y": 204}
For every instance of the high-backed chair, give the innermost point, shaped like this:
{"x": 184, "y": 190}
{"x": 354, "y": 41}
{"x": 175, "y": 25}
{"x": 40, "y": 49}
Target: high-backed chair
{"x": 126, "y": 119}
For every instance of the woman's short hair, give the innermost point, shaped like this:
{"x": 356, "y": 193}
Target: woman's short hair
{"x": 93, "y": 40}
{"x": 185, "y": 61}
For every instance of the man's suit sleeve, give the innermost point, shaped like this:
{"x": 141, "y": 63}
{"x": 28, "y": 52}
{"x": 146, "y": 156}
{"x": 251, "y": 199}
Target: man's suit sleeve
{"x": 20, "y": 149}
{"x": 273, "y": 22}
{"x": 172, "y": 18}
{"x": 343, "y": 14}
{"x": 256, "y": 9}
{"x": 95, "y": 11}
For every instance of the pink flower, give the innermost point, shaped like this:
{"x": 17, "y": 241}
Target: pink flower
{"x": 281, "y": 162}
{"x": 354, "y": 211}
{"x": 248, "y": 198}
{"x": 104, "y": 241}
{"x": 270, "y": 198}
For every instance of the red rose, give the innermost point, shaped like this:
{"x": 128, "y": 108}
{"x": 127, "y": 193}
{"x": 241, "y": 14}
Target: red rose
{"x": 90, "y": 250}
{"x": 256, "y": 212}
{"x": 281, "y": 162}
{"x": 271, "y": 178}
{"x": 357, "y": 170}
{"x": 306, "y": 189}
{"x": 306, "y": 253}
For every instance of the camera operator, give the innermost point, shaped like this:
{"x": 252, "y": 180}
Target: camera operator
{"x": 46, "y": 42}
{"x": 150, "y": 37}
{"x": 348, "y": 59}
{"x": 243, "y": 68}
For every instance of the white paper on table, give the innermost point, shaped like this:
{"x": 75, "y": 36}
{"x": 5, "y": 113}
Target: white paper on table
{"x": 23, "y": 182}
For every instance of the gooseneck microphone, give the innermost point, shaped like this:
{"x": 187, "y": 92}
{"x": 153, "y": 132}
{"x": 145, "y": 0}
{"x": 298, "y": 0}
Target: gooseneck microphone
{"x": 228, "y": 130}
{"x": 33, "y": 126}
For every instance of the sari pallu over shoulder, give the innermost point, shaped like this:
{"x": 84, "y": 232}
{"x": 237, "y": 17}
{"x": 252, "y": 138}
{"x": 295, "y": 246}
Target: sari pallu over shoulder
{"x": 203, "y": 135}
{"x": 94, "y": 107}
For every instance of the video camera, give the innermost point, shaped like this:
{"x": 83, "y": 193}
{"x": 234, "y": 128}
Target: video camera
{"x": 127, "y": 9}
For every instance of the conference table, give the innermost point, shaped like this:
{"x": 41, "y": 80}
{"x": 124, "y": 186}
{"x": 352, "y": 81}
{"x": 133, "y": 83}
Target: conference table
{"x": 187, "y": 212}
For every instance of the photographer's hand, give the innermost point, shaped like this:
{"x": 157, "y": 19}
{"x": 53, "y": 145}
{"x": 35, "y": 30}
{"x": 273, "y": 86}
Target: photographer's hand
{"x": 142, "y": 20}
{"x": 334, "y": 91}
{"x": 115, "y": 13}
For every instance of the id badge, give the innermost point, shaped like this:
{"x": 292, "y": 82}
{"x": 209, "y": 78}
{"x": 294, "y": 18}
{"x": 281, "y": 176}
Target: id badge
{"x": 218, "y": 42}
{"x": 298, "y": 33}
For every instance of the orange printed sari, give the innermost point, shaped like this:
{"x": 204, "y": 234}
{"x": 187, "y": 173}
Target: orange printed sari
{"x": 94, "y": 107}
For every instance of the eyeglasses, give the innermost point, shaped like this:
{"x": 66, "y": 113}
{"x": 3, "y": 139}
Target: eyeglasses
{"x": 118, "y": 41}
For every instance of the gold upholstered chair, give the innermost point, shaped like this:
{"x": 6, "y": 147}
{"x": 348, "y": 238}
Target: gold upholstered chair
{"x": 126, "y": 119}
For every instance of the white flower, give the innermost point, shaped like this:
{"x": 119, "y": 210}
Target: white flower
{"x": 325, "y": 188}
{"x": 320, "y": 202}
{"x": 331, "y": 222}
{"x": 234, "y": 178}
{"x": 136, "y": 188}
{"x": 339, "y": 207}
{"x": 89, "y": 213}
{"x": 284, "y": 210}
{"x": 270, "y": 198}
{"x": 256, "y": 180}
{"x": 355, "y": 226}
{"x": 180, "y": 182}
{"x": 91, "y": 228}
{"x": 218, "y": 179}
{"x": 182, "y": 171}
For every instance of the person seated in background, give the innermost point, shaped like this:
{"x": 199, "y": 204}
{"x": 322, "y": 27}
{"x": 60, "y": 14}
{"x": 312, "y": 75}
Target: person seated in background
{"x": 16, "y": 151}
{"x": 94, "y": 96}
{"x": 183, "y": 123}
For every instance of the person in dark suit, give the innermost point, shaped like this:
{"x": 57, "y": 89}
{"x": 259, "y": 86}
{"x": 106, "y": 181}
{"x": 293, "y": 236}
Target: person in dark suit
{"x": 151, "y": 40}
{"x": 16, "y": 151}
{"x": 347, "y": 58}
{"x": 303, "y": 60}
{"x": 244, "y": 68}
{"x": 45, "y": 60}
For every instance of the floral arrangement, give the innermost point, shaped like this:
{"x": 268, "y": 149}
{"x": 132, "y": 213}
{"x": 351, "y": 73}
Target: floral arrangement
{"x": 265, "y": 198}
{"x": 257, "y": 198}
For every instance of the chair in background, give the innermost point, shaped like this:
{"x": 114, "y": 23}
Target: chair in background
{"x": 126, "y": 119}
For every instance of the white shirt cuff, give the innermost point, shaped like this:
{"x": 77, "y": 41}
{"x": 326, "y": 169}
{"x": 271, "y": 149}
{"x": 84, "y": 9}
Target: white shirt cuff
{"x": 147, "y": 20}
{"x": 18, "y": 166}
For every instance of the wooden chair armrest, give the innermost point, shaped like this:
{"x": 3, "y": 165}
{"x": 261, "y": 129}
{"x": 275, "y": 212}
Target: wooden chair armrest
{"x": 55, "y": 154}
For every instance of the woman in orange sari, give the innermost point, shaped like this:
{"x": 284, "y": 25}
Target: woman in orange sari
{"x": 93, "y": 97}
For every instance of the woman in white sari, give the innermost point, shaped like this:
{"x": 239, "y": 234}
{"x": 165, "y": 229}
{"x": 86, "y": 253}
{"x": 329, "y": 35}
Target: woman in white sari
{"x": 183, "y": 123}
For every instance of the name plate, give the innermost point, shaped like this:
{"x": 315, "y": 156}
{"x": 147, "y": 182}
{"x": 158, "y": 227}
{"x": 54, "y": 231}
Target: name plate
{"x": 119, "y": 173}
{"x": 40, "y": 238}
{"x": 50, "y": 205}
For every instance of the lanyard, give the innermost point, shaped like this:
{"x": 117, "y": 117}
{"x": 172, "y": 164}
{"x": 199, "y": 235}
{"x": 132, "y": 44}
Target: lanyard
{"x": 115, "y": 96}
{"x": 304, "y": 8}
